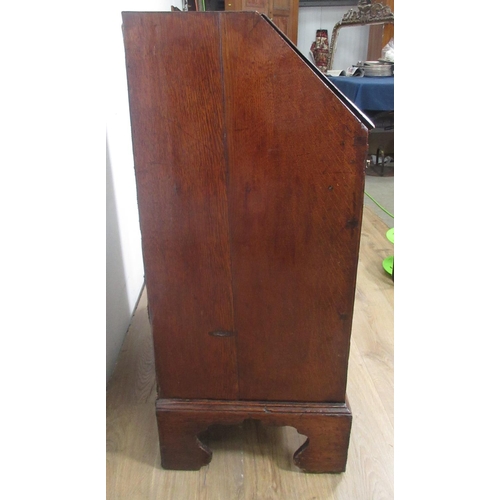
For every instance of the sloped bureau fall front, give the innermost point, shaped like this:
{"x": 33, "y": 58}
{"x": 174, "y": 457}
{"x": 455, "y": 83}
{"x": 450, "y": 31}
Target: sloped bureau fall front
{"x": 250, "y": 176}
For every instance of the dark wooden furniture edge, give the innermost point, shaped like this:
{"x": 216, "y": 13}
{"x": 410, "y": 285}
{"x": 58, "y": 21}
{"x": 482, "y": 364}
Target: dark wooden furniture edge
{"x": 326, "y": 425}
{"x": 350, "y": 105}
{"x": 256, "y": 407}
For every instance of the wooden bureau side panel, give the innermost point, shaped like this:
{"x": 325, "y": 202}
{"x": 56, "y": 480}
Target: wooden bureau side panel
{"x": 176, "y": 102}
{"x": 296, "y": 156}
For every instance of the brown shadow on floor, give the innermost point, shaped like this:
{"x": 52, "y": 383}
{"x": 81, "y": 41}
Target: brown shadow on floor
{"x": 253, "y": 439}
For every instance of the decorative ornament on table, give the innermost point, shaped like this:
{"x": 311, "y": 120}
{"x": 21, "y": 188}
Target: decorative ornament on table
{"x": 320, "y": 50}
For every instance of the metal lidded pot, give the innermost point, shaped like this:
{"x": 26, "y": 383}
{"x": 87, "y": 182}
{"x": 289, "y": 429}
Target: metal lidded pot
{"x": 376, "y": 68}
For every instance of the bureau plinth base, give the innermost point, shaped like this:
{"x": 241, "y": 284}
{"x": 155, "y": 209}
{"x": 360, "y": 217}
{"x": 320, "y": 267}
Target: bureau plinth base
{"x": 326, "y": 425}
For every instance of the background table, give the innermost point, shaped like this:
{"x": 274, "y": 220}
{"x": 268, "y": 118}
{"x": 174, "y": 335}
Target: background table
{"x": 367, "y": 93}
{"x": 375, "y": 97}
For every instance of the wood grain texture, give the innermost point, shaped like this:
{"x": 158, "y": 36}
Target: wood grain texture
{"x": 252, "y": 461}
{"x": 295, "y": 202}
{"x": 134, "y": 380}
{"x": 326, "y": 425}
{"x": 250, "y": 182}
{"x": 180, "y": 165}
{"x": 284, "y": 13}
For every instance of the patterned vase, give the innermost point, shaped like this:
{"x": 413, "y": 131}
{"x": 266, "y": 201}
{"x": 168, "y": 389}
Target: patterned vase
{"x": 319, "y": 50}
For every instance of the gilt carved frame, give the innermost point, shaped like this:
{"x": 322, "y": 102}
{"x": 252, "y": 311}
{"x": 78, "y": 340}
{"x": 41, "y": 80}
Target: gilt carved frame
{"x": 366, "y": 13}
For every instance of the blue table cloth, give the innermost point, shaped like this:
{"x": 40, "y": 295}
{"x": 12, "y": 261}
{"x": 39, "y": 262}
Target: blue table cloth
{"x": 367, "y": 93}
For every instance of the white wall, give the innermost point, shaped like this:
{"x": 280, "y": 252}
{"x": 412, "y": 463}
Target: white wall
{"x": 352, "y": 44}
{"x": 124, "y": 266}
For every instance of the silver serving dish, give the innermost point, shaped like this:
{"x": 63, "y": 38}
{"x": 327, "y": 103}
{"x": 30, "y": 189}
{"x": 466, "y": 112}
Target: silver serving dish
{"x": 376, "y": 68}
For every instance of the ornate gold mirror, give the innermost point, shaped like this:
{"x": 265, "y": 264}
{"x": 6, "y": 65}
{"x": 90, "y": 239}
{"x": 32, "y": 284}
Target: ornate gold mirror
{"x": 365, "y": 14}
